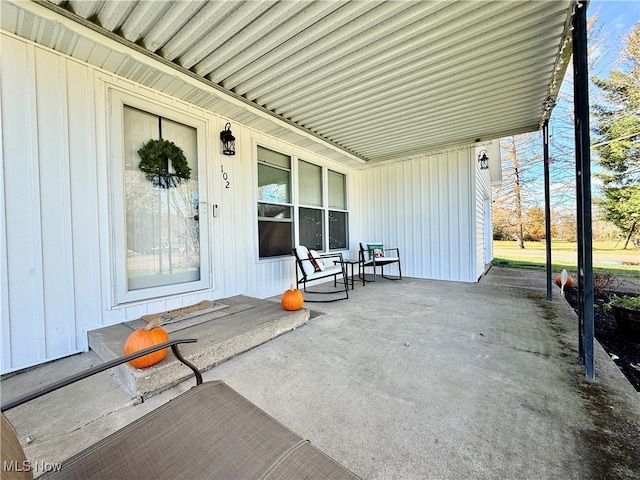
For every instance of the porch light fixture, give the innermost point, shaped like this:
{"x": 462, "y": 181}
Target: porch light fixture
{"x": 228, "y": 141}
{"x": 548, "y": 104}
{"x": 483, "y": 160}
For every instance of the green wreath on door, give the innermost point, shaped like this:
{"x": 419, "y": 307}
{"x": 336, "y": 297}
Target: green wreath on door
{"x": 155, "y": 156}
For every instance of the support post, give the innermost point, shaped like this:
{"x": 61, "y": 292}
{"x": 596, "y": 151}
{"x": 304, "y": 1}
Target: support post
{"x": 583, "y": 190}
{"x": 547, "y": 209}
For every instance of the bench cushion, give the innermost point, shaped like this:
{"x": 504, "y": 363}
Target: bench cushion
{"x": 382, "y": 260}
{"x": 327, "y": 272}
{"x": 303, "y": 254}
{"x": 210, "y": 431}
{"x": 13, "y": 457}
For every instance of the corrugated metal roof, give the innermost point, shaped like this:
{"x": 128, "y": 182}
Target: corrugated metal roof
{"x": 383, "y": 80}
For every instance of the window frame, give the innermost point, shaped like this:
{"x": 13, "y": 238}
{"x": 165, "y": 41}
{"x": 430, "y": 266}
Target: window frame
{"x": 117, "y": 205}
{"x": 296, "y": 205}
{"x": 288, "y": 204}
{"x": 330, "y": 209}
{"x": 307, "y": 206}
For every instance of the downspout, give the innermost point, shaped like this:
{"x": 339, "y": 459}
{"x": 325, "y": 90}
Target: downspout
{"x": 583, "y": 191}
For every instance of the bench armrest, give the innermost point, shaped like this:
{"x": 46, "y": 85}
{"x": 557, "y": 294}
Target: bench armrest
{"x": 102, "y": 367}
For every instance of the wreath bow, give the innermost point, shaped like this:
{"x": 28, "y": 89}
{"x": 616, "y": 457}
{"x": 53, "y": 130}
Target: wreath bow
{"x": 154, "y": 162}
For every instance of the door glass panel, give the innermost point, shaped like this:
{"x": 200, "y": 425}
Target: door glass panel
{"x": 162, "y": 224}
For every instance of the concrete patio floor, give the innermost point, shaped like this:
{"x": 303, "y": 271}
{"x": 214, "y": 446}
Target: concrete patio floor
{"x": 414, "y": 379}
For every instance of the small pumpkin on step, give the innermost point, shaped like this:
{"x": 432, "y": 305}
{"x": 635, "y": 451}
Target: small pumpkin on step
{"x": 146, "y": 337}
{"x": 292, "y": 299}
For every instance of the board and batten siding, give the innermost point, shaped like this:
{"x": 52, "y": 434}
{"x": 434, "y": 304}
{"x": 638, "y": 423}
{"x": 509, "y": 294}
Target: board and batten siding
{"x": 56, "y": 240}
{"x": 483, "y": 203}
{"x": 50, "y": 206}
{"x": 425, "y": 207}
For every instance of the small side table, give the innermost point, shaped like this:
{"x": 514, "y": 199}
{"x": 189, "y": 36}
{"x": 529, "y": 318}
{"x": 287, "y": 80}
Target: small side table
{"x": 351, "y": 262}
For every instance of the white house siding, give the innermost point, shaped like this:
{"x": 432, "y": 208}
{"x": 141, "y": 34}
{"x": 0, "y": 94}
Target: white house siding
{"x": 483, "y": 224}
{"x": 50, "y": 206}
{"x": 56, "y": 237}
{"x": 483, "y": 188}
{"x": 426, "y": 208}
{"x": 56, "y": 260}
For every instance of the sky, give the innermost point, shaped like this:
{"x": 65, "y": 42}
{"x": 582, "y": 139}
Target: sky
{"x": 616, "y": 19}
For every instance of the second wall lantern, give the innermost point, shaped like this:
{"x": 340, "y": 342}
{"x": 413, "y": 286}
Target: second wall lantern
{"x": 483, "y": 160}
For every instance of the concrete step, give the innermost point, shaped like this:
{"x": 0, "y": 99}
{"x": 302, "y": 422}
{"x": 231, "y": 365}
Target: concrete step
{"x": 245, "y": 323}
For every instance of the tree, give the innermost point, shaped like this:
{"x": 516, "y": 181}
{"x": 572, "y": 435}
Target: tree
{"x": 515, "y": 193}
{"x": 617, "y": 132}
{"x": 622, "y": 208}
{"x": 562, "y": 123}
{"x": 521, "y": 190}
{"x": 535, "y": 226}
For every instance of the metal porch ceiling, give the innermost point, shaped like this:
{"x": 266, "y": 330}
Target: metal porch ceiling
{"x": 382, "y": 80}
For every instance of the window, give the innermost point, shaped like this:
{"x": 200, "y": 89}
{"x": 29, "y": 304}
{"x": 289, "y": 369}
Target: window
{"x": 310, "y": 213}
{"x": 320, "y": 205}
{"x": 158, "y": 232}
{"x": 338, "y": 215}
{"x": 275, "y": 222}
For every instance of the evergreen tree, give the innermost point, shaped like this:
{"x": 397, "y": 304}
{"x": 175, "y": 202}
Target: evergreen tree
{"x": 617, "y": 139}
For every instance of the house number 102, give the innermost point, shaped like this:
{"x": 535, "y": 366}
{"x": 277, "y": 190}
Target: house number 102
{"x": 225, "y": 177}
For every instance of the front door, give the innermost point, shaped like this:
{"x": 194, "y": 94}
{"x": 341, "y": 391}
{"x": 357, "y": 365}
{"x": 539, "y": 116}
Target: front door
{"x": 161, "y": 242}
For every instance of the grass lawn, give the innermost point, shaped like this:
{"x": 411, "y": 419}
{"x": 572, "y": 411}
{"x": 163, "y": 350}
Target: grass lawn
{"x": 608, "y": 246}
{"x": 507, "y": 254}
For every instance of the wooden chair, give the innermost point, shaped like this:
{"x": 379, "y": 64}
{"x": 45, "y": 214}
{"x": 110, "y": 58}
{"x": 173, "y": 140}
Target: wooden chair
{"x": 312, "y": 266}
{"x": 374, "y": 255}
{"x": 210, "y": 431}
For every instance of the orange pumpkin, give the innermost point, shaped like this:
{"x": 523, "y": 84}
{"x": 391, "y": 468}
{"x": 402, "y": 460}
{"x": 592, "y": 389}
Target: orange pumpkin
{"x": 146, "y": 337}
{"x": 292, "y": 299}
{"x": 569, "y": 283}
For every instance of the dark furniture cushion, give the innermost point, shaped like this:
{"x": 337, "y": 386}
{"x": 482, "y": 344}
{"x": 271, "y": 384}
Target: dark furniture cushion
{"x": 210, "y": 431}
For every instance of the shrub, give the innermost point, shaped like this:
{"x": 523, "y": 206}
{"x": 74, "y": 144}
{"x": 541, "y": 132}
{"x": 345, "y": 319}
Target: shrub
{"x": 601, "y": 282}
{"x": 632, "y": 302}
